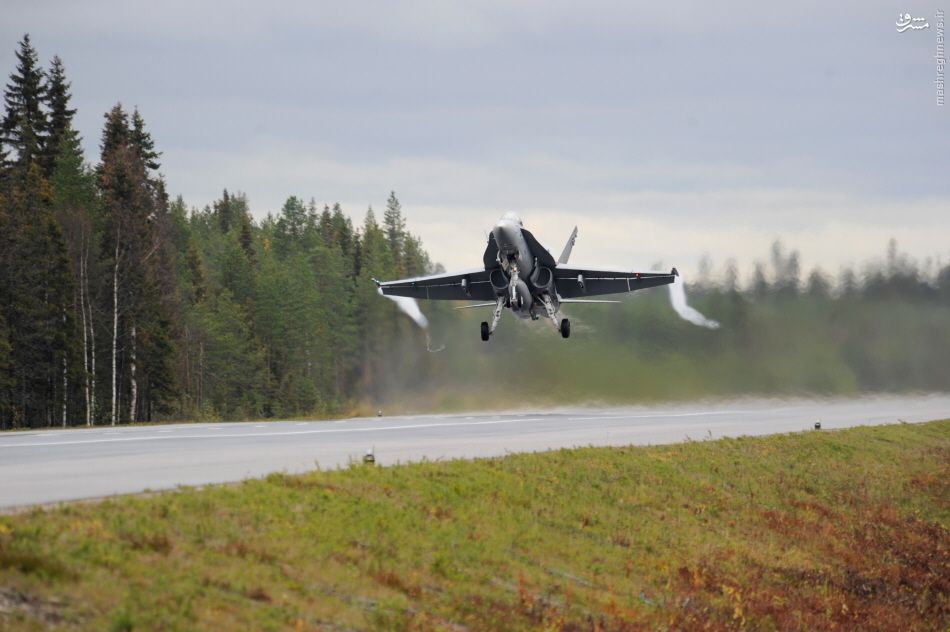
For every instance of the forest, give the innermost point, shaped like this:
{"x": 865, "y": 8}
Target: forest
{"x": 120, "y": 304}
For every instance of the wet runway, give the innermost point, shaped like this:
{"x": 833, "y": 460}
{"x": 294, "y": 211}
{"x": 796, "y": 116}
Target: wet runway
{"x": 58, "y": 465}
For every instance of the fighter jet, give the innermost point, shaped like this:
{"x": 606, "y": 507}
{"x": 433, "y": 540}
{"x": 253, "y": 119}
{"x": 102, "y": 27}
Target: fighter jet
{"x": 521, "y": 275}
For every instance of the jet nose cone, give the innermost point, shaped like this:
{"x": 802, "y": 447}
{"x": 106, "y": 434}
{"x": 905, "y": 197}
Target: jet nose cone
{"x": 506, "y": 235}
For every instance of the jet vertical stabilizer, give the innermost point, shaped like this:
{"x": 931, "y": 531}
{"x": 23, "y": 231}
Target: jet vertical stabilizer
{"x": 565, "y": 255}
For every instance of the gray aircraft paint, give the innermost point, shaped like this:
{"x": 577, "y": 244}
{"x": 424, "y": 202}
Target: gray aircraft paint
{"x": 519, "y": 274}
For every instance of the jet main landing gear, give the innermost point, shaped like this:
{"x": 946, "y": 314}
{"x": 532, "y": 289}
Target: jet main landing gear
{"x": 565, "y": 328}
{"x": 487, "y": 330}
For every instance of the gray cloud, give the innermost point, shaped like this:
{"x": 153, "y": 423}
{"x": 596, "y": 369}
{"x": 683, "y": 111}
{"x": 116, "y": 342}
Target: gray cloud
{"x": 731, "y": 117}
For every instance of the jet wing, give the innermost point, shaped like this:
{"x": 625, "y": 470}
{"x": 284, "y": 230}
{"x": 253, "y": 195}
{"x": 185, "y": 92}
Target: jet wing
{"x": 579, "y": 282}
{"x": 443, "y": 287}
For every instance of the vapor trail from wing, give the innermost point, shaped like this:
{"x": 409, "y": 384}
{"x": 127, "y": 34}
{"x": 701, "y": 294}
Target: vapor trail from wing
{"x": 409, "y": 306}
{"x": 678, "y": 300}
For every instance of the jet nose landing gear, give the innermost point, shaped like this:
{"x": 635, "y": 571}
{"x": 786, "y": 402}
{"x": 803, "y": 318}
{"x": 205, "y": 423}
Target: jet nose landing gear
{"x": 485, "y": 332}
{"x": 565, "y": 328}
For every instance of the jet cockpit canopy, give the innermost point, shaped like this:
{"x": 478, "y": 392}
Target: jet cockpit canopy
{"x": 512, "y": 216}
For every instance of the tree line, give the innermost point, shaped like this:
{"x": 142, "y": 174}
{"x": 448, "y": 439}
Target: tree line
{"x": 119, "y": 305}
{"x": 882, "y": 327}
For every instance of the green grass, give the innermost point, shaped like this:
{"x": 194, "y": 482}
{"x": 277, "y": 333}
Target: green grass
{"x": 843, "y": 530}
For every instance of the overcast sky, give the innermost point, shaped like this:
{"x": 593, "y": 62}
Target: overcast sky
{"x": 664, "y": 130}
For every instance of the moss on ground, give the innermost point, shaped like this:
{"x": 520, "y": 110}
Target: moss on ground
{"x": 843, "y": 530}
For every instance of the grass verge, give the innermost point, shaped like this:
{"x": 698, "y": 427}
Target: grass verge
{"x": 843, "y": 530}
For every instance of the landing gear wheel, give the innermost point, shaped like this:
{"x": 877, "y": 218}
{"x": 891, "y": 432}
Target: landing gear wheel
{"x": 565, "y": 328}
{"x": 485, "y": 333}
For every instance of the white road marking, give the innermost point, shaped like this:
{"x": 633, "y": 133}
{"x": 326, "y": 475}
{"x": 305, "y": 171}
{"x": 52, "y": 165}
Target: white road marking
{"x": 281, "y": 434}
{"x": 724, "y": 412}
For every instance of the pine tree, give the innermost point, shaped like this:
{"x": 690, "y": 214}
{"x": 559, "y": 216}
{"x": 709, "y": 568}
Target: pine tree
{"x": 143, "y": 142}
{"x": 237, "y": 272}
{"x": 289, "y": 314}
{"x": 73, "y": 183}
{"x": 7, "y": 268}
{"x": 395, "y": 228}
{"x": 36, "y": 298}
{"x": 311, "y": 234}
{"x": 233, "y": 361}
{"x": 5, "y": 168}
{"x": 6, "y": 382}
{"x": 25, "y": 126}
{"x": 157, "y": 351}
{"x": 115, "y": 133}
{"x": 60, "y": 114}
{"x": 247, "y": 238}
{"x": 291, "y": 226}
{"x": 344, "y": 238}
{"x": 326, "y": 226}
{"x": 339, "y": 329}
{"x": 199, "y": 289}
{"x": 376, "y": 262}
{"x": 415, "y": 259}
{"x": 136, "y": 228}
{"x": 180, "y": 232}
{"x": 224, "y": 212}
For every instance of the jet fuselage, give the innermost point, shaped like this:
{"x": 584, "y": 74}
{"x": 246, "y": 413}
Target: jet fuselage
{"x": 518, "y": 261}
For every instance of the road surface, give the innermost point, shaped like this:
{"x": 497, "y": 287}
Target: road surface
{"x": 48, "y": 466}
